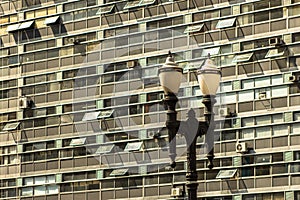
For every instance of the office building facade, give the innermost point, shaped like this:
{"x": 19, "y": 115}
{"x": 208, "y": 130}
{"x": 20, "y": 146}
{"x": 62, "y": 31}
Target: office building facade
{"x": 81, "y": 113}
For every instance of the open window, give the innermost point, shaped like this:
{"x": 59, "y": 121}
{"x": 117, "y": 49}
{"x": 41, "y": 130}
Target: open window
{"x": 226, "y": 23}
{"x": 211, "y": 51}
{"x": 107, "y": 148}
{"x": 77, "y": 142}
{"x": 119, "y": 172}
{"x": 91, "y": 116}
{"x": 133, "y": 146}
{"x": 226, "y": 173}
{"x": 11, "y": 126}
{"x": 242, "y": 58}
{"x": 105, "y": 9}
{"x": 193, "y": 28}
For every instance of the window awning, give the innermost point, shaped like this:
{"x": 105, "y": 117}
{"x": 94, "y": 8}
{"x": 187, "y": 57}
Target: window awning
{"x": 91, "y": 116}
{"x": 105, "y": 9}
{"x": 26, "y": 25}
{"x": 275, "y": 53}
{"x": 132, "y": 4}
{"x": 193, "y": 28}
{"x": 51, "y": 20}
{"x": 242, "y": 58}
{"x": 77, "y": 141}
{"x": 13, "y": 27}
{"x": 226, "y": 173}
{"x": 119, "y": 172}
{"x": 11, "y": 126}
{"x": 133, "y": 146}
{"x": 105, "y": 114}
{"x": 105, "y": 149}
{"x": 146, "y": 2}
{"x": 211, "y": 51}
{"x": 226, "y": 23}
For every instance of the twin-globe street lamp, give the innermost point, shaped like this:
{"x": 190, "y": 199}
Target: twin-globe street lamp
{"x": 170, "y": 75}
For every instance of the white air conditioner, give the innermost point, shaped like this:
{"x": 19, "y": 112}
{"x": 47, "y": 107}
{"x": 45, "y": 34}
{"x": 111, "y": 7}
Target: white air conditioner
{"x": 153, "y": 134}
{"x": 176, "y": 192}
{"x": 293, "y": 78}
{"x": 223, "y": 112}
{"x": 241, "y": 147}
{"x": 262, "y": 95}
{"x": 276, "y": 41}
{"x": 23, "y": 102}
{"x": 161, "y": 96}
{"x": 131, "y": 64}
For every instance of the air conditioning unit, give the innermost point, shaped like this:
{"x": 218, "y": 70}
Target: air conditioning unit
{"x": 131, "y": 64}
{"x": 293, "y": 78}
{"x": 23, "y": 102}
{"x": 276, "y": 41}
{"x": 241, "y": 147}
{"x": 176, "y": 192}
{"x": 161, "y": 96}
{"x": 223, "y": 112}
{"x": 262, "y": 95}
{"x": 153, "y": 134}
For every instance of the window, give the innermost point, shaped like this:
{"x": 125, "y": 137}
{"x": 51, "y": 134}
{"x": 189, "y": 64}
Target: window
{"x": 193, "y": 28}
{"x": 242, "y": 58}
{"x": 13, "y": 27}
{"x": 132, "y": 4}
{"x": 226, "y": 23}
{"x": 105, "y": 114}
{"x": 223, "y": 174}
{"x": 11, "y": 126}
{"x": 211, "y": 51}
{"x": 118, "y": 172}
{"x": 275, "y": 53}
{"x": 105, "y": 9}
{"x": 91, "y": 116}
{"x": 77, "y": 141}
{"x": 134, "y": 146}
{"x": 105, "y": 149}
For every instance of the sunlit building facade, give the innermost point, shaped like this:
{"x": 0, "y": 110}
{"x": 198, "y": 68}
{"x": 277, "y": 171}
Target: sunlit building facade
{"x": 81, "y": 112}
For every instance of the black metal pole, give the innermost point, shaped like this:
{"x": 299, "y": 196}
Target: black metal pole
{"x": 172, "y": 125}
{"x": 191, "y": 174}
{"x": 209, "y": 101}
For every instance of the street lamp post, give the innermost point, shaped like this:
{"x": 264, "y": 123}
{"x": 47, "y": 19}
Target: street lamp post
{"x": 170, "y": 78}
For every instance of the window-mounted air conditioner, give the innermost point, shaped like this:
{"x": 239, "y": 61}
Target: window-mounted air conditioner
{"x": 241, "y": 147}
{"x": 276, "y": 41}
{"x": 176, "y": 192}
{"x": 223, "y": 112}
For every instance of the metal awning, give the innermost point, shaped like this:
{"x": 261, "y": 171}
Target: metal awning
{"x": 51, "y": 20}
{"x": 26, "y": 25}
{"x": 193, "y": 28}
{"x": 226, "y": 23}
{"x": 242, "y": 58}
{"x": 11, "y": 126}
{"x": 105, "y": 9}
{"x": 226, "y": 173}
{"x": 133, "y": 146}
{"x": 13, "y": 27}
{"x": 77, "y": 141}
{"x": 91, "y": 116}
